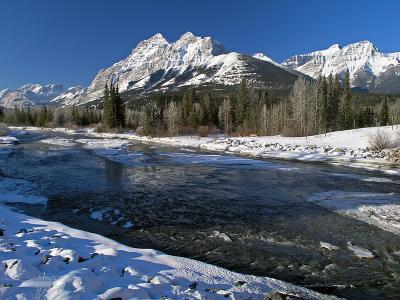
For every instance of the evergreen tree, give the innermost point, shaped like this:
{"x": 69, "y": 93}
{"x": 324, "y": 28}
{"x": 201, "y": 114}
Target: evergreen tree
{"x": 206, "y": 108}
{"x": 150, "y": 118}
{"x": 384, "y": 113}
{"x": 188, "y": 100}
{"x": 333, "y": 89}
{"x": 346, "y": 115}
{"x": 322, "y": 95}
{"x": 241, "y": 106}
{"x": 113, "y": 108}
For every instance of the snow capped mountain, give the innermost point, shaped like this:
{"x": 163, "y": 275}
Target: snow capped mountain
{"x": 33, "y": 95}
{"x": 157, "y": 65}
{"x": 69, "y": 97}
{"x": 262, "y": 56}
{"x": 369, "y": 69}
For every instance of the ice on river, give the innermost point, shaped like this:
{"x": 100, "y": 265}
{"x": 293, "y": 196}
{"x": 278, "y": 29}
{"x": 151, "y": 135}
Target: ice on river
{"x": 379, "y": 209}
{"x": 8, "y": 140}
{"x": 19, "y": 191}
{"x": 113, "y": 149}
{"x": 221, "y": 160}
{"x": 58, "y": 141}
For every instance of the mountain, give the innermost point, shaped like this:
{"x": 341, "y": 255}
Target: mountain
{"x": 370, "y": 69}
{"x": 155, "y": 66}
{"x": 34, "y": 95}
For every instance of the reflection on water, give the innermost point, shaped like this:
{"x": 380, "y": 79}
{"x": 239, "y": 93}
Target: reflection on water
{"x": 246, "y": 215}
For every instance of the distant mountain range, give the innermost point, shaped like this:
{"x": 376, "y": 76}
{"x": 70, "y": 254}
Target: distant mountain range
{"x": 370, "y": 70}
{"x": 157, "y": 66}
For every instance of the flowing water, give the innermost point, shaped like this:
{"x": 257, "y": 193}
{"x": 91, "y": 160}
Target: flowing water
{"x": 246, "y": 215}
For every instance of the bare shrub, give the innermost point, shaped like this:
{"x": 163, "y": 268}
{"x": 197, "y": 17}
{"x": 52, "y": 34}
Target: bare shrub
{"x": 380, "y": 141}
{"x": 203, "y": 131}
{"x": 213, "y": 130}
{"x": 290, "y": 129}
{"x": 186, "y": 131}
{"x": 397, "y": 139}
{"x": 140, "y": 131}
{"x": 100, "y": 128}
{"x": 4, "y": 130}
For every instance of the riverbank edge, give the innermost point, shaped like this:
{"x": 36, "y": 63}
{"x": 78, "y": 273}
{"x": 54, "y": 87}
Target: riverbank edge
{"x": 268, "y": 147}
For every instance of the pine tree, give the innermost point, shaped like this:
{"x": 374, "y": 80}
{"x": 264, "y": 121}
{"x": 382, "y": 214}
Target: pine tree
{"x": 188, "y": 100}
{"x": 330, "y": 103}
{"x": 119, "y": 109}
{"x": 335, "y": 103}
{"x": 150, "y": 118}
{"x": 113, "y": 108}
{"x": 206, "y": 108}
{"x": 241, "y": 106}
{"x": 384, "y": 113}
{"x": 323, "y": 105}
{"x": 346, "y": 114}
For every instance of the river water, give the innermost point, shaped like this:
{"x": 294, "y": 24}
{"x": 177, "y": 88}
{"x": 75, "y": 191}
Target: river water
{"x": 246, "y": 215}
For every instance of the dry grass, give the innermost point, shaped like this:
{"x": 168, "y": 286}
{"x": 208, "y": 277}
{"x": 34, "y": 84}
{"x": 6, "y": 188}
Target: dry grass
{"x": 4, "y": 130}
{"x": 380, "y": 141}
{"x": 203, "y": 131}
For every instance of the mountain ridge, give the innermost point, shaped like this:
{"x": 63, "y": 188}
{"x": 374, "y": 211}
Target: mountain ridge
{"x": 157, "y": 66}
{"x": 369, "y": 69}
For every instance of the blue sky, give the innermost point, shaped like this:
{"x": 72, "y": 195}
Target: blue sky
{"x": 68, "y": 41}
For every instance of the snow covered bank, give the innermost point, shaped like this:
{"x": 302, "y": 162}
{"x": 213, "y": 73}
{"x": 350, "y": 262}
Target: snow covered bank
{"x": 48, "y": 260}
{"x": 347, "y": 147}
{"x": 381, "y": 210}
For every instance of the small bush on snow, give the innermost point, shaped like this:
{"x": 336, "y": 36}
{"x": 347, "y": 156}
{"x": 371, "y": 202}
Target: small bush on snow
{"x": 380, "y": 141}
{"x": 4, "y": 130}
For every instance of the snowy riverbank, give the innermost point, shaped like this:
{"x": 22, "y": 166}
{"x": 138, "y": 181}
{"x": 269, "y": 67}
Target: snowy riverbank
{"x": 348, "y": 147}
{"x": 48, "y": 260}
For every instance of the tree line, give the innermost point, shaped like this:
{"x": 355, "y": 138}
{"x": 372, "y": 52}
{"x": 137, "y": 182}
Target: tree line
{"x": 311, "y": 107}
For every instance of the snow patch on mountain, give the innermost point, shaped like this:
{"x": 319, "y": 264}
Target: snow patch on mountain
{"x": 34, "y": 95}
{"x": 367, "y": 66}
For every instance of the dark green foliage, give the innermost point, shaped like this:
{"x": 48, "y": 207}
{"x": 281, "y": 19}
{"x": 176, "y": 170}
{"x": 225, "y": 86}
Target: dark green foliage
{"x": 346, "y": 113}
{"x": 323, "y": 112}
{"x": 364, "y": 117}
{"x": 242, "y": 105}
{"x": 113, "y": 108}
{"x": 384, "y": 113}
{"x": 150, "y": 119}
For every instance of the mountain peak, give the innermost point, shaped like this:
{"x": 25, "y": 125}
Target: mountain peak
{"x": 364, "y": 47}
{"x": 262, "y": 56}
{"x": 335, "y": 47}
{"x": 156, "y": 40}
{"x": 187, "y": 36}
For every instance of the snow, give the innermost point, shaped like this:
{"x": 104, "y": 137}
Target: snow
{"x": 360, "y": 252}
{"x": 30, "y": 95}
{"x": 221, "y": 235}
{"x": 358, "y": 57}
{"x": 59, "y": 141}
{"x": 378, "y": 209}
{"x": 348, "y": 147}
{"x": 8, "y": 140}
{"x": 328, "y": 246}
{"x": 156, "y": 55}
{"x": 48, "y": 260}
{"x": 18, "y": 190}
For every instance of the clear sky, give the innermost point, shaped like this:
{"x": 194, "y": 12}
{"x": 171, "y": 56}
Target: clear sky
{"x": 68, "y": 41}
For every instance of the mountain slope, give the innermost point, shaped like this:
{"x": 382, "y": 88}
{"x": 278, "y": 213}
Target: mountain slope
{"x": 369, "y": 69}
{"x": 35, "y": 95}
{"x": 156, "y": 65}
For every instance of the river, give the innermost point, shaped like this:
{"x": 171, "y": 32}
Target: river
{"x": 243, "y": 214}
